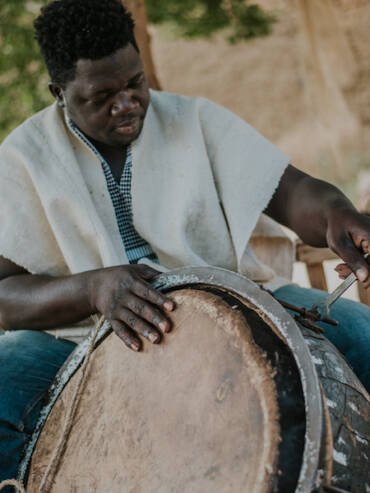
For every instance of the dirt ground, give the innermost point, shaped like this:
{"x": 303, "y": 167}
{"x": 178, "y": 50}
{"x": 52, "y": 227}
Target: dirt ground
{"x": 306, "y": 87}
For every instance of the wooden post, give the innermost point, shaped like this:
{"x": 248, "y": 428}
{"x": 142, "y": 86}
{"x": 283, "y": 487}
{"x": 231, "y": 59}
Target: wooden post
{"x": 314, "y": 258}
{"x": 364, "y": 294}
{"x": 317, "y": 277}
{"x": 137, "y": 9}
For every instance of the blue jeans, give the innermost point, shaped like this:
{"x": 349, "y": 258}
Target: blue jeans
{"x": 351, "y": 336}
{"x": 29, "y": 361}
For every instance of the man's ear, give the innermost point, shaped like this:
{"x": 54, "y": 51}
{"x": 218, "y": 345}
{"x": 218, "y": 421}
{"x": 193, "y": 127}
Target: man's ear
{"x": 58, "y": 94}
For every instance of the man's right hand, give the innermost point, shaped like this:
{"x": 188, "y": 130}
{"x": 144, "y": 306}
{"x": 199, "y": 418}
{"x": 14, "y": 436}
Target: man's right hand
{"x": 122, "y": 294}
{"x": 132, "y": 306}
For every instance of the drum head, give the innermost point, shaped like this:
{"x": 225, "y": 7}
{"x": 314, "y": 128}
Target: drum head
{"x": 197, "y": 413}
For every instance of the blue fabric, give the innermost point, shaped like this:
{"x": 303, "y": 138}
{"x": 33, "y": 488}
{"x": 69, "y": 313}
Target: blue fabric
{"x": 29, "y": 361}
{"x": 351, "y": 337}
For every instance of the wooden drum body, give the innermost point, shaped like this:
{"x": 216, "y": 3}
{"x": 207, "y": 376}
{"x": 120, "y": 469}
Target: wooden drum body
{"x": 230, "y": 401}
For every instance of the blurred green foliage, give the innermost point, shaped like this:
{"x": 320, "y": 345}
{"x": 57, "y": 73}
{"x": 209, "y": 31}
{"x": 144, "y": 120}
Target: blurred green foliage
{"x": 23, "y": 77}
{"x": 202, "y": 18}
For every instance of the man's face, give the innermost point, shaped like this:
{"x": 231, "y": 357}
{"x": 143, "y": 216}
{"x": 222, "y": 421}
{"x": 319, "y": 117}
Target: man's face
{"x": 108, "y": 98}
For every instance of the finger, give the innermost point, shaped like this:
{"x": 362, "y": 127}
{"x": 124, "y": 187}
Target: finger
{"x": 353, "y": 258}
{"x": 146, "y": 272}
{"x": 147, "y": 292}
{"x": 365, "y": 246}
{"x": 124, "y": 333}
{"x": 139, "y": 326}
{"x": 366, "y": 284}
{"x": 144, "y": 309}
{"x": 343, "y": 270}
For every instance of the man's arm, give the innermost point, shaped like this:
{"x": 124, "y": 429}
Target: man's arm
{"x": 322, "y": 216}
{"x": 122, "y": 294}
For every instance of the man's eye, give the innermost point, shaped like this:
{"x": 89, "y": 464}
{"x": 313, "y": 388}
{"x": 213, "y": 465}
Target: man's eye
{"x": 100, "y": 100}
{"x": 137, "y": 82}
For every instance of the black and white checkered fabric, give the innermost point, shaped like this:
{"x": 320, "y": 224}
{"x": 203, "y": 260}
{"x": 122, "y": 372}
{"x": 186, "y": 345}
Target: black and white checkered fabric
{"x": 135, "y": 246}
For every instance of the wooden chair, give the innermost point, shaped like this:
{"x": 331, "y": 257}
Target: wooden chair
{"x": 314, "y": 258}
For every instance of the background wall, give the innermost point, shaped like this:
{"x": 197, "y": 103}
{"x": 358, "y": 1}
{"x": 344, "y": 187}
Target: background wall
{"x": 306, "y": 86}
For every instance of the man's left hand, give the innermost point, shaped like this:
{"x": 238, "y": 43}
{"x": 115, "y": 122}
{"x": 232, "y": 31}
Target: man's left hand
{"x": 348, "y": 235}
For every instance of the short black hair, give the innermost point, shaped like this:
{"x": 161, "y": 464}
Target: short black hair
{"x": 68, "y": 30}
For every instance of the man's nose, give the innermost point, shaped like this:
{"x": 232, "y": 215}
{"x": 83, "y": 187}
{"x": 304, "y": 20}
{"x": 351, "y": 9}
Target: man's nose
{"x": 123, "y": 103}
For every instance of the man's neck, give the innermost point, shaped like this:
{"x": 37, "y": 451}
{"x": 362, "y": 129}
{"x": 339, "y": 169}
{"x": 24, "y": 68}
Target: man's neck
{"x": 114, "y": 156}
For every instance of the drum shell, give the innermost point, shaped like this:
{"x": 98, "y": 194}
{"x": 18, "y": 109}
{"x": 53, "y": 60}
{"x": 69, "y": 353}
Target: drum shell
{"x": 350, "y": 432}
{"x": 348, "y": 405}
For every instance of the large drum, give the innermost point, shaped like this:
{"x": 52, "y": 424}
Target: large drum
{"x": 237, "y": 398}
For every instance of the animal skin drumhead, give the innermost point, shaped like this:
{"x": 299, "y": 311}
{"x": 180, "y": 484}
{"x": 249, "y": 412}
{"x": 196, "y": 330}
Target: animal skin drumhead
{"x": 197, "y": 413}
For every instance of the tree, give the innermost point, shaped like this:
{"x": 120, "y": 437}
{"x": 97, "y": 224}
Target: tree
{"x": 23, "y": 78}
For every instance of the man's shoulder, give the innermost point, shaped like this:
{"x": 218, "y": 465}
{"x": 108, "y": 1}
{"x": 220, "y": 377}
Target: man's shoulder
{"x": 35, "y": 127}
{"x": 178, "y": 103}
{"x": 198, "y": 113}
{"x": 169, "y": 98}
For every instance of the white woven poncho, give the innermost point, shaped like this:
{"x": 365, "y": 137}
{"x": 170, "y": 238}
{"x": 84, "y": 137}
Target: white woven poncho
{"x": 201, "y": 178}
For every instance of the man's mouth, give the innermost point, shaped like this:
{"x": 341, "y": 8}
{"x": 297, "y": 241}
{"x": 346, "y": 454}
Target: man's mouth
{"x": 128, "y": 126}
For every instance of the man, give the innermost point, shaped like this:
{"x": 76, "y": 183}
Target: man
{"x": 113, "y": 182}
